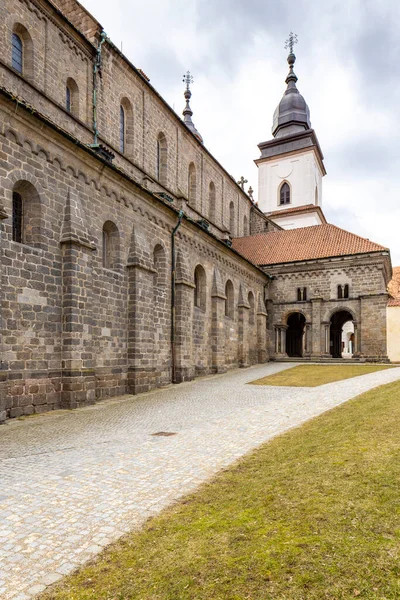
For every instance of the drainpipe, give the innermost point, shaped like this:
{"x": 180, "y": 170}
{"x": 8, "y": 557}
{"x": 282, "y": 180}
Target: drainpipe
{"x": 173, "y": 279}
{"x": 96, "y": 70}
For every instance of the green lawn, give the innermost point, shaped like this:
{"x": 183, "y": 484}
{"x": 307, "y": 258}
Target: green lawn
{"x": 313, "y": 515}
{"x": 314, "y": 375}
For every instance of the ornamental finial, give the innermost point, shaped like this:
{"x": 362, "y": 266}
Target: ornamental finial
{"x": 188, "y": 79}
{"x": 291, "y": 41}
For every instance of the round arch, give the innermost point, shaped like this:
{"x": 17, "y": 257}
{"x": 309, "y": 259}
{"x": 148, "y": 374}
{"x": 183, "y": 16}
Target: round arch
{"x": 296, "y": 322}
{"x": 337, "y": 320}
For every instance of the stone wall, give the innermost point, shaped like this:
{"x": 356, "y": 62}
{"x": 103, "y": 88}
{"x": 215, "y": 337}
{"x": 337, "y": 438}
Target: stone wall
{"x": 75, "y": 328}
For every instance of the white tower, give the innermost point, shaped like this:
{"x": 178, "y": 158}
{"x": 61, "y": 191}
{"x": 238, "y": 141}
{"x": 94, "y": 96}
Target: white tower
{"x": 290, "y": 168}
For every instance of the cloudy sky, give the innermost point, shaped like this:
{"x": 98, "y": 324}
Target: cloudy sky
{"x": 347, "y": 70}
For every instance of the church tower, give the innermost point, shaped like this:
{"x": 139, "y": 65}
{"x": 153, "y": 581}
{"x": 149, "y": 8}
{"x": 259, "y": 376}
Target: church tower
{"x": 291, "y": 168}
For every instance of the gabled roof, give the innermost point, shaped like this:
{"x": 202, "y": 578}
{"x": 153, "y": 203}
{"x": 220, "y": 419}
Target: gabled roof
{"x": 306, "y": 208}
{"x": 394, "y": 288}
{"x": 304, "y": 243}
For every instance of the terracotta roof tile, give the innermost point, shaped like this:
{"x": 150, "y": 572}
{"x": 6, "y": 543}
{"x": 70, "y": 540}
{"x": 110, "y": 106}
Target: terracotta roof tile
{"x": 394, "y": 288}
{"x": 304, "y": 243}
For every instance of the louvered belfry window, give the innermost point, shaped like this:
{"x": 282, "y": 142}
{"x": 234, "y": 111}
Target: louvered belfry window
{"x": 285, "y": 194}
{"x": 17, "y": 52}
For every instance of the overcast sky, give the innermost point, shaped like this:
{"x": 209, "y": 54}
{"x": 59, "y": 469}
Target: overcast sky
{"x": 348, "y": 70}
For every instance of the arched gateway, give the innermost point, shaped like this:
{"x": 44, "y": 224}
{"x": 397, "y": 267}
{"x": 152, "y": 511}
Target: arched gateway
{"x": 294, "y": 334}
{"x": 338, "y": 319}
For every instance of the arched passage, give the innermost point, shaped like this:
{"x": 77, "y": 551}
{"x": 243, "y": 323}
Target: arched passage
{"x": 338, "y": 319}
{"x": 294, "y": 334}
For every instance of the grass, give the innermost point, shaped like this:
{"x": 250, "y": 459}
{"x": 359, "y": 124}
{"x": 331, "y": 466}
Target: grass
{"x": 312, "y": 515}
{"x": 314, "y": 375}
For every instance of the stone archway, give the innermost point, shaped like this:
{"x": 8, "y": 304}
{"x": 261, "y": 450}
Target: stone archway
{"x": 294, "y": 334}
{"x": 338, "y": 319}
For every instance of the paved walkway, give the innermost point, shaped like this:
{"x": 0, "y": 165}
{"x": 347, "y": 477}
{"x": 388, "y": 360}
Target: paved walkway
{"x": 72, "y": 482}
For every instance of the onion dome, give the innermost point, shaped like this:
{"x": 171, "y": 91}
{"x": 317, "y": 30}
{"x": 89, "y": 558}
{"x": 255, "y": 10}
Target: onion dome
{"x": 187, "y": 111}
{"x": 292, "y": 113}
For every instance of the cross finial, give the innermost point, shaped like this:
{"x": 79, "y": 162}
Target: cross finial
{"x": 188, "y": 79}
{"x": 291, "y": 41}
{"x": 242, "y": 181}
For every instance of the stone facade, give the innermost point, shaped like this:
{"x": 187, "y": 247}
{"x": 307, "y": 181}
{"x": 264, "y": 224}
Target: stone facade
{"x": 366, "y": 277}
{"x": 117, "y": 272}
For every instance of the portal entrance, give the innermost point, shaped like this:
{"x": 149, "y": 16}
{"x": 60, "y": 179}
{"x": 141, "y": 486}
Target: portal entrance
{"x": 338, "y": 320}
{"x": 294, "y": 334}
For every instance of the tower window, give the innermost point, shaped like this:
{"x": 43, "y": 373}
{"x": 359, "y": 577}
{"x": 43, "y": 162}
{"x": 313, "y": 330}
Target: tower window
{"x": 284, "y": 197}
{"x": 17, "y": 52}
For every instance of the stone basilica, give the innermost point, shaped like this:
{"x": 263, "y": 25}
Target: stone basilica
{"x": 129, "y": 257}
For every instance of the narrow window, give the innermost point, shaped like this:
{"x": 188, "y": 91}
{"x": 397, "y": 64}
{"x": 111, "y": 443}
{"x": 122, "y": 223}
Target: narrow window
{"x": 339, "y": 292}
{"x": 68, "y": 99}
{"x": 211, "y": 202}
{"x": 162, "y": 159}
{"x": 192, "y": 185}
{"x": 200, "y": 287}
{"x": 105, "y": 248}
{"x": 231, "y": 218}
{"x": 304, "y": 293}
{"x": 299, "y": 294}
{"x": 17, "y": 218}
{"x": 229, "y": 300}
{"x": 284, "y": 194}
{"x": 121, "y": 129}
{"x": 17, "y": 53}
{"x": 346, "y": 291}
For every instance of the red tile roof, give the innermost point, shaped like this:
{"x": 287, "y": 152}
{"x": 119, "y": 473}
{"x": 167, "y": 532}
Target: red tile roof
{"x": 394, "y": 288}
{"x": 297, "y": 209}
{"x": 304, "y": 243}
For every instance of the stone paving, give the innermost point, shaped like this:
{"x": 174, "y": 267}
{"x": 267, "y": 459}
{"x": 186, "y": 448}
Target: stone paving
{"x": 73, "y": 481}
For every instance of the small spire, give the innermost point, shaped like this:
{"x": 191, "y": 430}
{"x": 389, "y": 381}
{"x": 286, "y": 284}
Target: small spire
{"x": 187, "y": 111}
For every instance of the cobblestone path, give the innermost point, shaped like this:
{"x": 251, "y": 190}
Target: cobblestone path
{"x": 73, "y": 481}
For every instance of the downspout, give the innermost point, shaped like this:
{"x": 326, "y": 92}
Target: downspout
{"x": 96, "y": 70}
{"x": 173, "y": 280}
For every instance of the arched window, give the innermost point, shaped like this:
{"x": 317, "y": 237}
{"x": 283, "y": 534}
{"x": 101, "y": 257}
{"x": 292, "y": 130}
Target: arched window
{"x": 26, "y": 214}
{"x": 192, "y": 185}
{"x": 22, "y": 51}
{"x": 316, "y": 196}
{"x": 200, "y": 292}
{"x": 284, "y": 194}
{"x": 17, "y": 53}
{"x": 339, "y": 291}
{"x": 346, "y": 291}
{"x": 162, "y": 159}
{"x": 211, "y": 202}
{"x": 252, "y": 306}
{"x": 245, "y": 226}
{"x": 160, "y": 274}
{"x": 72, "y": 97}
{"x": 110, "y": 245}
{"x": 231, "y": 218}
{"x": 17, "y": 217}
{"x": 126, "y": 130}
{"x": 229, "y": 300}
{"x": 121, "y": 129}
